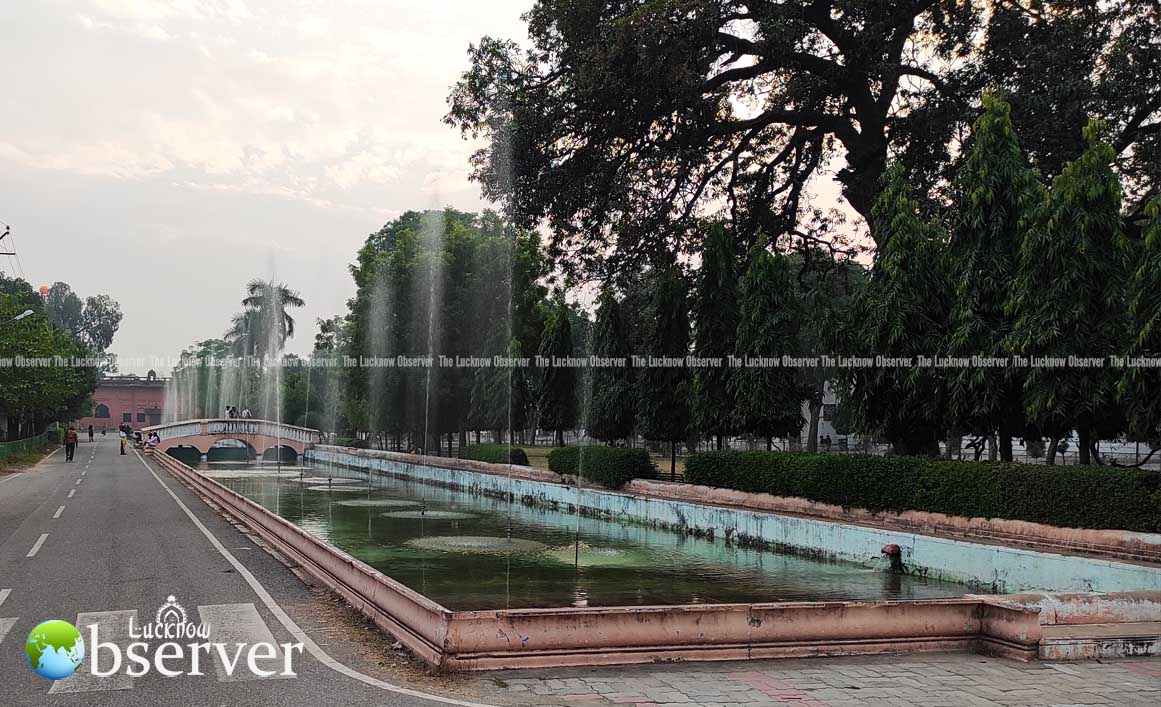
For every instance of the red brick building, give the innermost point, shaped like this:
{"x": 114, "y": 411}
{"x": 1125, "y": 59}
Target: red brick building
{"x": 126, "y": 399}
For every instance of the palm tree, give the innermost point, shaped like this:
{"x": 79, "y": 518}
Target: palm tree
{"x": 265, "y": 324}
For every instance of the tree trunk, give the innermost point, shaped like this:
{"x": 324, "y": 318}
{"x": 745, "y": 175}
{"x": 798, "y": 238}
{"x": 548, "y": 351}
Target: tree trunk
{"x": 991, "y": 448}
{"x": 1084, "y": 445}
{"x": 954, "y": 445}
{"x": 560, "y": 437}
{"x": 672, "y": 461}
{"x": 718, "y": 442}
{"x": 1050, "y": 453}
{"x": 812, "y": 428}
{"x": 769, "y": 443}
{"x": 1005, "y": 446}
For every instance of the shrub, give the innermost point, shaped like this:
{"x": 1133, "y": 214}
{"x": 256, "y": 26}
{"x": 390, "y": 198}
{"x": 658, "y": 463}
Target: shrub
{"x": 495, "y": 453}
{"x": 1073, "y": 497}
{"x": 52, "y": 436}
{"x": 352, "y": 442}
{"x": 611, "y": 467}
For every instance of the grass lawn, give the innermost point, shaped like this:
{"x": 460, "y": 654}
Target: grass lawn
{"x": 25, "y": 458}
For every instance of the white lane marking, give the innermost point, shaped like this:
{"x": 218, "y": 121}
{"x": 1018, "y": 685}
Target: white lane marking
{"x": 78, "y": 483}
{"x": 46, "y": 456}
{"x": 11, "y": 477}
{"x": 6, "y": 626}
{"x": 4, "y": 595}
{"x": 232, "y": 624}
{"x": 85, "y": 471}
{"x": 288, "y": 623}
{"x": 58, "y": 512}
{"x": 112, "y": 627}
{"x": 72, "y": 493}
{"x": 36, "y": 548}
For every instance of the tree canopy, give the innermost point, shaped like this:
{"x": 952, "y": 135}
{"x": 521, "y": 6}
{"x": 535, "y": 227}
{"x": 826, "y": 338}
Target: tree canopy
{"x": 622, "y": 123}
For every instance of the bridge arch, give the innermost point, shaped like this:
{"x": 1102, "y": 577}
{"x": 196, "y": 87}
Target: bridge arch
{"x": 258, "y": 435}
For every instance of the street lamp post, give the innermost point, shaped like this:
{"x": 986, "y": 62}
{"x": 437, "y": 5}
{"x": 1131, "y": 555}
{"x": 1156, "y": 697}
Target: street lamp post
{"x": 18, "y": 317}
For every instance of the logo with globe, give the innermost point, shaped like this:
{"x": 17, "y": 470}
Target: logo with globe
{"x": 55, "y": 649}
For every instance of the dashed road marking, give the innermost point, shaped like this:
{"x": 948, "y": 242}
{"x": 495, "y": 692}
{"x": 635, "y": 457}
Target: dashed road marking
{"x": 4, "y": 595}
{"x": 6, "y": 626}
{"x": 78, "y": 483}
{"x": 36, "y": 548}
{"x": 72, "y": 493}
{"x": 315, "y": 650}
{"x": 58, "y": 512}
{"x": 112, "y": 627}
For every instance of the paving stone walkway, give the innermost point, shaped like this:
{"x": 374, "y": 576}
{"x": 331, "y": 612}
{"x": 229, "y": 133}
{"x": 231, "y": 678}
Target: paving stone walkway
{"x": 955, "y": 680}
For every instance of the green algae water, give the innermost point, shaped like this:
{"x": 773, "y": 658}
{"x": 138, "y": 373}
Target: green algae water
{"x": 472, "y": 552}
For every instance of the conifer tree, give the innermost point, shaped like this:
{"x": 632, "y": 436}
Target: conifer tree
{"x": 996, "y": 196}
{"x": 663, "y": 406}
{"x": 1068, "y": 296}
{"x": 1141, "y": 386}
{"x": 558, "y": 383}
{"x": 901, "y": 312}
{"x": 715, "y": 330}
{"x": 767, "y": 398}
{"x": 611, "y": 411}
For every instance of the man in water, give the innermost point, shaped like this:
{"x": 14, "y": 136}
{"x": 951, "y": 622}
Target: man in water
{"x": 70, "y": 442}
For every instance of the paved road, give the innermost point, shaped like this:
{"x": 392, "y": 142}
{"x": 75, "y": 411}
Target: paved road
{"x": 106, "y": 537}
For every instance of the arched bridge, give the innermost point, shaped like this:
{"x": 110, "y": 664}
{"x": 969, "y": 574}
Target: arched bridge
{"x": 259, "y": 435}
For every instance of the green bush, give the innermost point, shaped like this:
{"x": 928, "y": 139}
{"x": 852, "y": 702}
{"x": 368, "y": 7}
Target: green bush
{"x": 495, "y": 453}
{"x": 1071, "y": 497}
{"x": 52, "y": 436}
{"x": 610, "y": 467}
{"x": 352, "y": 442}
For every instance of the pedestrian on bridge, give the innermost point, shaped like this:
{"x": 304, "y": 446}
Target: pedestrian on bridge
{"x": 70, "y": 442}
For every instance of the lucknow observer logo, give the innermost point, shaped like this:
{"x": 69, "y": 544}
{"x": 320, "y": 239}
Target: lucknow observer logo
{"x": 55, "y": 649}
{"x": 170, "y": 623}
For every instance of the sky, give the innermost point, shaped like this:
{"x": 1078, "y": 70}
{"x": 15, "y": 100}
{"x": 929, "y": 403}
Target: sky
{"x": 165, "y": 152}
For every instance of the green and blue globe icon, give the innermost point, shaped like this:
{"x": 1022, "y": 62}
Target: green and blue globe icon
{"x": 55, "y": 649}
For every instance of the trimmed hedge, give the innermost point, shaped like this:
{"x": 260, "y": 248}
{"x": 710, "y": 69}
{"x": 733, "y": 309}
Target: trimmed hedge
{"x": 1065, "y": 496}
{"x": 494, "y": 453}
{"x": 611, "y": 467}
{"x": 352, "y": 442}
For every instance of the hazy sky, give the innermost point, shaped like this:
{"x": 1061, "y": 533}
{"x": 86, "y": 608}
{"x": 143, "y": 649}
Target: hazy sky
{"x": 167, "y": 151}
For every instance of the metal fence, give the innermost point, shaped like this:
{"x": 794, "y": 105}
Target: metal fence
{"x": 7, "y": 449}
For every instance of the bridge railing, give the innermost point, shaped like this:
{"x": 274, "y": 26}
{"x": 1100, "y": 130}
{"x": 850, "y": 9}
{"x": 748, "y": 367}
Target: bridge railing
{"x": 234, "y": 426}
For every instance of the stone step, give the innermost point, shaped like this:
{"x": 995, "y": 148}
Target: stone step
{"x": 1090, "y": 641}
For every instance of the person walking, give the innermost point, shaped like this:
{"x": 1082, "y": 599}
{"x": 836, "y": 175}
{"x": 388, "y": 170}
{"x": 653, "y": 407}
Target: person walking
{"x": 90, "y": 433}
{"x": 124, "y": 440}
{"x": 70, "y": 442}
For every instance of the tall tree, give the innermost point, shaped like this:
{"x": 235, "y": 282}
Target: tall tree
{"x": 902, "y": 312}
{"x": 1140, "y": 384}
{"x": 715, "y": 328}
{"x": 613, "y": 404}
{"x": 767, "y": 396}
{"x": 1061, "y": 61}
{"x": 996, "y": 198}
{"x": 663, "y": 402}
{"x": 557, "y": 382}
{"x": 826, "y": 289}
{"x": 1067, "y": 296}
{"x": 271, "y": 302}
{"x": 621, "y": 121}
